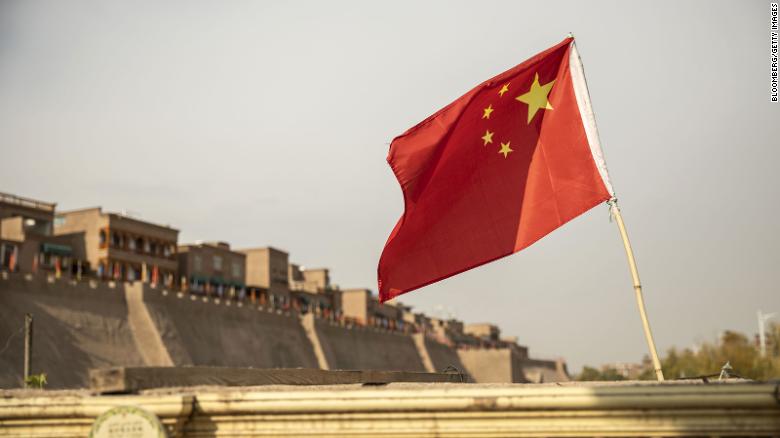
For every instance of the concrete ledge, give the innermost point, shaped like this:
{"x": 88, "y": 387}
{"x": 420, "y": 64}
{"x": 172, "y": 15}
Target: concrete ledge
{"x": 135, "y": 379}
{"x": 425, "y": 410}
{"x": 69, "y": 414}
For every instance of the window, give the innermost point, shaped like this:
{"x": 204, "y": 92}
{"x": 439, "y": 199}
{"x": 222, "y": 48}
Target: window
{"x": 102, "y": 238}
{"x": 218, "y": 263}
{"x": 236, "y": 269}
{"x": 166, "y": 251}
{"x": 131, "y": 244}
{"x": 139, "y": 243}
{"x": 147, "y": 247}
{"x": 197, "y": 263}
{"x": 59, "y": 221}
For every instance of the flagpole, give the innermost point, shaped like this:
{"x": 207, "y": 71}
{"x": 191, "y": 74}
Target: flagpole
{"x": 640, "y": 302}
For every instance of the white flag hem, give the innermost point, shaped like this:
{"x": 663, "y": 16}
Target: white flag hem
{"x": 586, "y": 113}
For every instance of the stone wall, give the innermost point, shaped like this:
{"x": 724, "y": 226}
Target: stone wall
{"x": 90, "y": 324}
{"x": 77, "y": 326}
{"x": 367, "y": 348}
{"x": 201, "y": 331}
{"x": 83, "y": 325}
{"x": 443, "y": 356}
{"x": 498, "y": 365}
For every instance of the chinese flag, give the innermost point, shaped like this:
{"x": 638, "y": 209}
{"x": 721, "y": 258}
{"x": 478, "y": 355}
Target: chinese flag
{"x": 494, "y": 171}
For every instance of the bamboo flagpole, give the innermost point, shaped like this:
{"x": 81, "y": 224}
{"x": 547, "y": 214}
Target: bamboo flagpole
{"x": 589, "y": 123}
{"x": 640, "y": 302}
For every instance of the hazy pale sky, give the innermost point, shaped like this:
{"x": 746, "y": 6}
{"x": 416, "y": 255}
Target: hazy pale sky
{"x": 268, "y": 123}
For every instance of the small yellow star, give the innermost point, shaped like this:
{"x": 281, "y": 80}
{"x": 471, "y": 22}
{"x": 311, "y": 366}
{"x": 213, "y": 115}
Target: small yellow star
{"x": 505, "y": 149}
{"x": 488, "y": 137}
{"x": 536, "y": 97}
{"x": 488, "y": 110}
{"x": 503, "y": 90}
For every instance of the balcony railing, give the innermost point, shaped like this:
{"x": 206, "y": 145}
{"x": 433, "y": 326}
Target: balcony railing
{"x": 26, "y": 202}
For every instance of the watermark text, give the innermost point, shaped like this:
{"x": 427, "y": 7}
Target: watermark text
{"x": 773, "y": 29}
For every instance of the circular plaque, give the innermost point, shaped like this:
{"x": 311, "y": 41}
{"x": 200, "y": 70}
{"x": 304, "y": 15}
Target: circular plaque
{"x": 127, "y": 422}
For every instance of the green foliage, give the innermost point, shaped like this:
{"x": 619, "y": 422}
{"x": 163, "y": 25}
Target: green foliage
{"x": 706, "y": 360}
{"x": 611, "y": 374}
{"x": 735, "y": 348}
{"x": 589, "y": 374}
{"x": 592, "y": 374}
{"x": 37, "y": 381}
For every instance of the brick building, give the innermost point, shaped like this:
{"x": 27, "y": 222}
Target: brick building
{"x": 27, "y": 243}
{"x": 212, "y": 268}
{"x": 120, "y": 247}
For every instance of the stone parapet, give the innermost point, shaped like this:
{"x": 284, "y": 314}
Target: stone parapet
{"x": 420, "y": 410}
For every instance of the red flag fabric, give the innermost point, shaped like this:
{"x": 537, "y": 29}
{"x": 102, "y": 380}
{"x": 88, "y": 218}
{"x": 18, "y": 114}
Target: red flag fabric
{"x": 493, "y": 172}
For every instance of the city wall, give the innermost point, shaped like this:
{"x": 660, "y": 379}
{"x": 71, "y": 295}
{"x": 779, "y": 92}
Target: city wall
{"x": 443, "y": 356}
{"x": 80, "y": 325}
{"x": 498, "y": 365}
{"x": 205, "y": 331}
{"x": 367, "y": 348}
{"x": 77, "y": 326}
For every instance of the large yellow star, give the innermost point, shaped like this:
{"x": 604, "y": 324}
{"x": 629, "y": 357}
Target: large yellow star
{"x": 536, "y": 97}
{"x": 505, "y": 149}
{"x": 488, "y": 110}
{"x": 503, "y": 90}
{"x": 488, "y": 137}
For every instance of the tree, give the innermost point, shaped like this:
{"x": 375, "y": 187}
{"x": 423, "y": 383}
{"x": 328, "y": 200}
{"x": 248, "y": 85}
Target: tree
{"x": 592, "y": 374}
{"x": 708, "y": 359}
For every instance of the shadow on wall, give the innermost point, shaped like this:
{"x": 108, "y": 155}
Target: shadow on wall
{"x": 202, "y": 331}
{"x": 76, "y": 328}
{"x": 367, "y": 348}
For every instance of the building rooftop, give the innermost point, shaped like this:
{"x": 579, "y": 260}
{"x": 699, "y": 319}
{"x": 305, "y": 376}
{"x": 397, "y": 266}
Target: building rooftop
{"x": 7, "y": 198}
{"x": 220, "y": 245}
{"x": 262, "y": 248}
{"x": 117, "y": 215}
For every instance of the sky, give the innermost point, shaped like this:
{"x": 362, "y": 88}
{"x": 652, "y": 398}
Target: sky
{"x": 268, "y": 123}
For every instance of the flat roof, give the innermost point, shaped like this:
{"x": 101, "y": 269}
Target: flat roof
{"x": 117, "y": 215}
{"x": 9, "y": 198}
{"x": 262, "y": 248}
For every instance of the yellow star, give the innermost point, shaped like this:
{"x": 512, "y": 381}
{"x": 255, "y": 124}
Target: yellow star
{"x": 488, "y": 137}
{"x": 488, "y": 110}
{"x": 536, "y": 97}
{"x": 505, "y": 149}
{"x": 503, "y": 90}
